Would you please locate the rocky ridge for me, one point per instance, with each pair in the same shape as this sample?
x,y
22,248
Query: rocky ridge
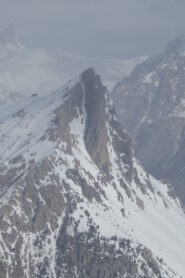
x,y
151,104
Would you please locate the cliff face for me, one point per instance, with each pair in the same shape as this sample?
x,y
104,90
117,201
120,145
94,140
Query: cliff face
x,y
151,104
74,202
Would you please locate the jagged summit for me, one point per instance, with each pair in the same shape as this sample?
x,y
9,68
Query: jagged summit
x,y
176,46
89,73
95,136
93,82
74,202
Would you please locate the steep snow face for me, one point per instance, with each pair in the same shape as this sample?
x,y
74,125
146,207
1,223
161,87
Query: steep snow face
x,y
25,72
68,179
151,105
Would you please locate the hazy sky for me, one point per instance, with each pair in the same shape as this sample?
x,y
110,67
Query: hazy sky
x,y
97,28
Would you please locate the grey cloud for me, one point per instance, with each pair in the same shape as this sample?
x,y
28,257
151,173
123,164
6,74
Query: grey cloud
x,y
98,28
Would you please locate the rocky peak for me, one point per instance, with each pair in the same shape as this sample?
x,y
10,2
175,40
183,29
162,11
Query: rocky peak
x,y
176,47
88,101
96,137
73,199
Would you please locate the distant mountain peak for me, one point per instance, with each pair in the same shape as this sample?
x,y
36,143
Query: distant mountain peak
x,y
9,38
176,46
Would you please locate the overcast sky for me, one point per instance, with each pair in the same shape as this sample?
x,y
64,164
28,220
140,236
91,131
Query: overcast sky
x,y
97,28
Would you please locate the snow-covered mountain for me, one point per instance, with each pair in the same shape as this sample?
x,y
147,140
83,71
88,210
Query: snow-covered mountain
x,y
25,72
74,202
151,105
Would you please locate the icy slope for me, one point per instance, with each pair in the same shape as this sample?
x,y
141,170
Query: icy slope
x,y
73,198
